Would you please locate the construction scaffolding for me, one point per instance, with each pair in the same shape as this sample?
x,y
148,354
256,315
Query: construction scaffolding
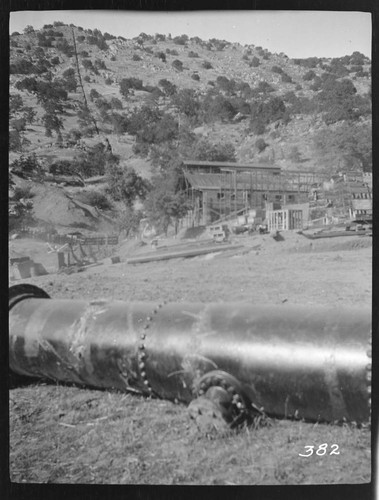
x,y
222,195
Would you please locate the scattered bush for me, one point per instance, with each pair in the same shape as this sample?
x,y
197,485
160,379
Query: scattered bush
x,y
177,64
207,65
130,83
195,77
261,145
100,64
65,47
286,78
264,87
172,52
136,57
28,29
276,69
168,88
191,53
94,94
116,103
309,75
96,199
180,40
161,55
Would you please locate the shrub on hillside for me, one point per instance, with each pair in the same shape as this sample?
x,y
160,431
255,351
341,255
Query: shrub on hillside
x,y
180,40
22,67
207,65
94,94
87,64
309,75
136,57
100,64
127,84
265,112
108,36
186,102
191,53
168,88
172,52
115,103
286,78
276,69
65,47
28,29
225,84
160,38
264,87
177,64
205,151
216,107
81,38
96,199
161,55
195,77
261,145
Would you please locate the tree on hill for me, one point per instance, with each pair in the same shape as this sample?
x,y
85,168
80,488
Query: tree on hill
x,y
337,100
351,141
126,84
165,205
186,102
125,185
205,151
28,29
95,160
167,87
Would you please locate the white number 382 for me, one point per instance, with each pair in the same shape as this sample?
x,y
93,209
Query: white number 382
x,y
321,450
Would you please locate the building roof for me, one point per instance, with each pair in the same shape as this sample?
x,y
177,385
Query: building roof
x,y
209,181
231,165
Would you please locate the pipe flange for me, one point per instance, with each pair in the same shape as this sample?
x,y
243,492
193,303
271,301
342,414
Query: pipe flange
x,y
25,291
141,354
369,373
230,393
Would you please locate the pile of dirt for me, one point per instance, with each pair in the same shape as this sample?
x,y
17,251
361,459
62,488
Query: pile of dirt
x,y
52,206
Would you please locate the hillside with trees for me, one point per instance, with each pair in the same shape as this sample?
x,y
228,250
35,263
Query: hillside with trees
x,y
85,103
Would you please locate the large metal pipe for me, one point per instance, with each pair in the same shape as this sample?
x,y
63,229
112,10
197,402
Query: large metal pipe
x,y
288,361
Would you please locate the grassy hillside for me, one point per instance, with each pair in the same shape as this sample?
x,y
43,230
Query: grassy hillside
x,y
153,101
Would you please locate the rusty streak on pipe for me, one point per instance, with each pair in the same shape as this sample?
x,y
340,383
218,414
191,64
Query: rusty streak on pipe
x,y
288,361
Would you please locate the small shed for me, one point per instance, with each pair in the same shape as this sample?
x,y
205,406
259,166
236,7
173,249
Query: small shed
x,y
284,220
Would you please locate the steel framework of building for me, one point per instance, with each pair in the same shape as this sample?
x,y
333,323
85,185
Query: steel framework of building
x,y
235,191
